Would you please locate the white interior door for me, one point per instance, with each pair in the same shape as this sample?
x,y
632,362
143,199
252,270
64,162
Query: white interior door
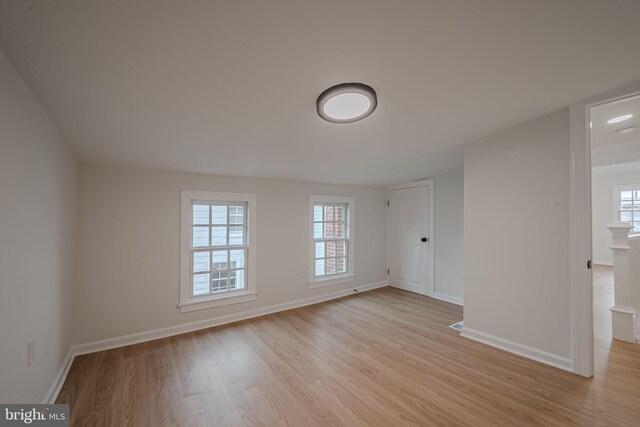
x,y
410,236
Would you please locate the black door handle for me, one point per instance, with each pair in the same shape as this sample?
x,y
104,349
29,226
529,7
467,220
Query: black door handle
x,y
424,239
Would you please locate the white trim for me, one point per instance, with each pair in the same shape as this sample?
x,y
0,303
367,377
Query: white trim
x,y
59,379
448,298
331,281
92,347
186,303
626,187
314,282
623,310
218,301
461,323
581,228
429,183
412,184
110,343
541,356
601,262
580,231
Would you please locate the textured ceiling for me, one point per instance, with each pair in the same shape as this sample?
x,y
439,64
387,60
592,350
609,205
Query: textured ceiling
x,y
229,87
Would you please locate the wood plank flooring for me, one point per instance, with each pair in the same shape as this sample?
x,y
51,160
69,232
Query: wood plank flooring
x,y
380,358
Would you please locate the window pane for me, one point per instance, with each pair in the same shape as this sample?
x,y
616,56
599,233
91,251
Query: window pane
x,y
200,236
236,214
331,249
625,195
201,261
320,250
237,258
200,284
328,213
219,236
219,259
330,225
625,216
319,267
236,235
328,230
219,214
236,280
331,266
200,214
626,205
219,281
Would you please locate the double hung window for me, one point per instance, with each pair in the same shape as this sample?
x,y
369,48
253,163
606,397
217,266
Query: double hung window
x,y
217,254
332,240
628,206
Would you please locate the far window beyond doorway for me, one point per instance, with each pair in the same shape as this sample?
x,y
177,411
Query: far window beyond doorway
x,y
628,206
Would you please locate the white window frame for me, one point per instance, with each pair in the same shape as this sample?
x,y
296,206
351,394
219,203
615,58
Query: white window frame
x,y
334,279
191,303
616,201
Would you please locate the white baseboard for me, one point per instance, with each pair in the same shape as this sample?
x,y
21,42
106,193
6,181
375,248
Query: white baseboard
x,y
155,334
541,356
600,262
448,298
60,377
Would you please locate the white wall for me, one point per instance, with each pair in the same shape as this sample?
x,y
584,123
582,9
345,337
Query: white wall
x,y
516,289
38,187
449,250
603,179
128,246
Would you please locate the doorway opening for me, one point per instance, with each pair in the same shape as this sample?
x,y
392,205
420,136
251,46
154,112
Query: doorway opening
x,y
614,129
599,139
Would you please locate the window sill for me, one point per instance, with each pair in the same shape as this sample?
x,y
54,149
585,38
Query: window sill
x,y
330,281
217,301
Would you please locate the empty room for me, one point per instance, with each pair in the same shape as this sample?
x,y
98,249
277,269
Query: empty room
x,y
344,213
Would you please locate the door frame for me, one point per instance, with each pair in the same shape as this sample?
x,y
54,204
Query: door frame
x,y
430,184
581,227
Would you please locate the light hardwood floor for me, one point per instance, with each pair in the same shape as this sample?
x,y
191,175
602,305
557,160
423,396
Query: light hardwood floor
x,y
381,358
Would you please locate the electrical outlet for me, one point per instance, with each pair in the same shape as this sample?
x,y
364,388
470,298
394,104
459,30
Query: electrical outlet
x,y
31,351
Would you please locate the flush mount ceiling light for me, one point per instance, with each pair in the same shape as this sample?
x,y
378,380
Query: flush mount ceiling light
x,y
620,119
347,102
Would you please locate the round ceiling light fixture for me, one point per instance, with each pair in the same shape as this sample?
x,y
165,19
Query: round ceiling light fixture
x,y
620,119
347,102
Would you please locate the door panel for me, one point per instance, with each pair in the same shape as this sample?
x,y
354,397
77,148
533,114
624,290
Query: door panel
x,y
410,267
